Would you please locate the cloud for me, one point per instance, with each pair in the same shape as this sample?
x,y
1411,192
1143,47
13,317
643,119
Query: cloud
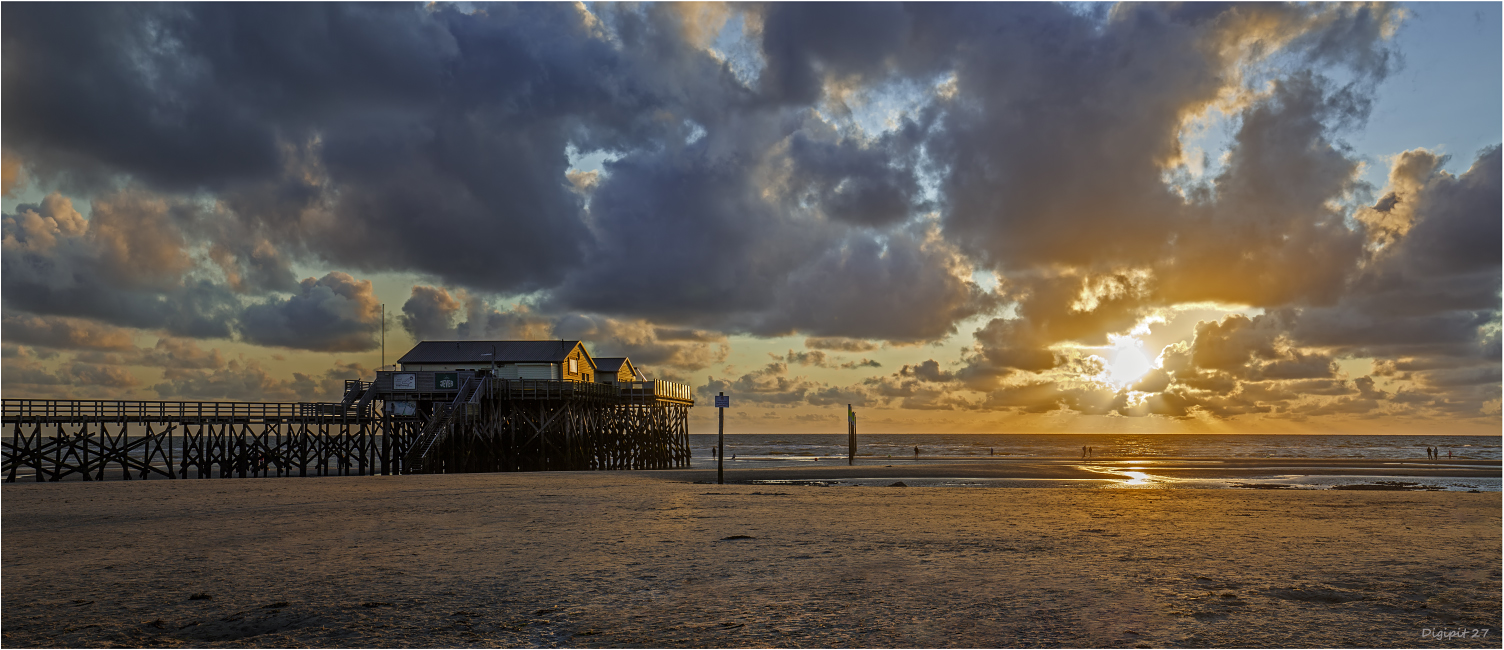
x,y
1006,346
65,333
819,359
432,314
839,344
853,182
26,370
11,177
246,380
128,266
169,353
429,313
767,385
335,313
846,174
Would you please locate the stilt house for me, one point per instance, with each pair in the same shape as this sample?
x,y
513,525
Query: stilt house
x,y
617,370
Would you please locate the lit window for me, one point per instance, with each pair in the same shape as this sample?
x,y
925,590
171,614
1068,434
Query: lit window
x,y
574,366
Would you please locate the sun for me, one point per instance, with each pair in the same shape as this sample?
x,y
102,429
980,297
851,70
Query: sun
x,y
1128,361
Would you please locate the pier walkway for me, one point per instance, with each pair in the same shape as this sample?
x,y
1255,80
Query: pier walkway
x,y
484,425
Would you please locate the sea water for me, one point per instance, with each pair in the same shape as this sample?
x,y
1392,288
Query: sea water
x,y
773,450
1388,452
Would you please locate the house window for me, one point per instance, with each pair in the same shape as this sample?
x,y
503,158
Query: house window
x,y
574,366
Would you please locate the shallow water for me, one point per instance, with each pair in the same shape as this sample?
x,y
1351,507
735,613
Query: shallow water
x,y
808,449
1145,480
744,451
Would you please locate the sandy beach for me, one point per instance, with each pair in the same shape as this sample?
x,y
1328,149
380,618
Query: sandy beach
x,y
655,559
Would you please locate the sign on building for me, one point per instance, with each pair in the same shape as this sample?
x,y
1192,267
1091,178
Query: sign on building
x,y
404,381
446,380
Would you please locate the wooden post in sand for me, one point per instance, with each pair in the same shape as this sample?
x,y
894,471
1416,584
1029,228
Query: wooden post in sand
x,y
721,402
850,436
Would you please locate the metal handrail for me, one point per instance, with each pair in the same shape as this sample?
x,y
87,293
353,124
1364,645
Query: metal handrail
x,y
26,409
443,416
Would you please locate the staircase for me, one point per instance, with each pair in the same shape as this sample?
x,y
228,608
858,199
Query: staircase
x,y
354,390
434,431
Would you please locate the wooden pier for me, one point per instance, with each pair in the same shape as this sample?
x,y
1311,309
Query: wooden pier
x,y
510,425
485,425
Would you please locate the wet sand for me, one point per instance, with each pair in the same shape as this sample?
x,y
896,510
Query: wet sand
x,y
652,559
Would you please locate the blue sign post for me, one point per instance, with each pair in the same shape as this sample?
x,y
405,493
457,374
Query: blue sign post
x,y
721,403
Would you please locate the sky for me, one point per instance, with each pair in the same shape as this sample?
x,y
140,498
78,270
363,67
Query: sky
x,y
1152,218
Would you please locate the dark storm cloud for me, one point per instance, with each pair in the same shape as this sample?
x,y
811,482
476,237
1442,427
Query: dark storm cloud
x,y
1429,297
804,42
854,183
697,235
414,114
90,91
396,137
335,313
905,286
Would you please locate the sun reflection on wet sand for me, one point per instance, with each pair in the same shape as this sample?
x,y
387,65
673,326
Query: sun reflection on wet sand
x,y
1139,478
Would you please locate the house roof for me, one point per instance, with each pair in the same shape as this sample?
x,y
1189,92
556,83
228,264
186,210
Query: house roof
x,y
612,364
480,352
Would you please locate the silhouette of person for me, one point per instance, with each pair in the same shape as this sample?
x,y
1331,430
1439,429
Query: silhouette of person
x,y
916,453
1090,451
1083,451
1449,454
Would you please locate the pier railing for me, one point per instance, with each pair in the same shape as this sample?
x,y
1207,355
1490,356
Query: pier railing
x,y
60,410
671,391
549,389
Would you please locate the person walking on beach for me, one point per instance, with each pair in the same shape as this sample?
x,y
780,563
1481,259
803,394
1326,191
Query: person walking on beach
x,y
1449,454
916,453
1083,451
